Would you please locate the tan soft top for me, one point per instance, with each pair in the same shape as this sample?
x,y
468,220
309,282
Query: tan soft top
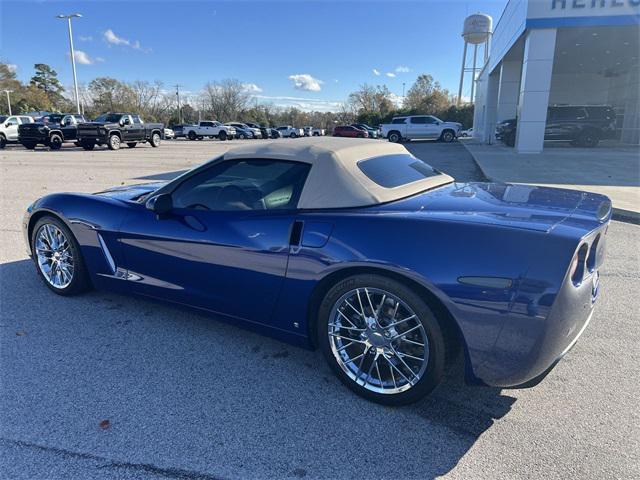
x,y
335,180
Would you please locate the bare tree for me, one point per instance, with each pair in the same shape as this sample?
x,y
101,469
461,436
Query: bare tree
x,y
226,100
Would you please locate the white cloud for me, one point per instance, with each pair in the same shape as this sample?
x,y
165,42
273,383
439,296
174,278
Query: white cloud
x,y
376,72
82,58
87,38
390,74
112,38
396,99
304,81
306,104
402,69
12,67
100,59
251,88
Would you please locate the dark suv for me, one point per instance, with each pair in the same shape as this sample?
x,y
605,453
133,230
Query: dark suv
x,y
114,129
583,126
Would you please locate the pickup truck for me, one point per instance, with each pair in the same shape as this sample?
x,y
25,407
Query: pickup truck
x,y
418,127
289,131
51,130
114,129
9,128
209,129
309,131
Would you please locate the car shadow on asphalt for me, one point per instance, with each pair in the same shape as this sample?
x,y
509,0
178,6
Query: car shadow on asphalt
x,y
181,391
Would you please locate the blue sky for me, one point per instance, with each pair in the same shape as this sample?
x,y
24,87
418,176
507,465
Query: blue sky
x,y
305,53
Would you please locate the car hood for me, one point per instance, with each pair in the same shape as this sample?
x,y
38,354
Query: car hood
x,y
130,192
518,206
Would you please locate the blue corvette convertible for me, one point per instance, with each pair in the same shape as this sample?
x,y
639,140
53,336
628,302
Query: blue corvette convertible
x,y
358,248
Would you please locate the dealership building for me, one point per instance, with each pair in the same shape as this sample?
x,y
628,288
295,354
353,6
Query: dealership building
x,y
560,52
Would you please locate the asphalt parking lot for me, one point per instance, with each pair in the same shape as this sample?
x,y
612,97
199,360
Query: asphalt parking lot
x,y
111,387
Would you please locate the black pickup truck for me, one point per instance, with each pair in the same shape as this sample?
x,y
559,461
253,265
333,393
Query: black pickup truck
x,y
51,130
114,129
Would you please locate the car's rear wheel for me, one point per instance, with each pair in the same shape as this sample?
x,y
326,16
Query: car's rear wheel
x,y
191,135
132,144
88,145
3,141
114,142
293,135
447,136
155,140
58,258
395,137
55,141
381,339
222,135
588,138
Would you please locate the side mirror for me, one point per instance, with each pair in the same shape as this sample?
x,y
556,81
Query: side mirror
x,y
161,204
125,121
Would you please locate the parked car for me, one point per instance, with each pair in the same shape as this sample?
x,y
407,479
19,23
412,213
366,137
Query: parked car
x,y
349,131
373,133
209,128
582,125
418,127
51,130
245,131
313,132
328,244
259,129
289,131
169,134
467,133
178,130
114,129
274,132
9,128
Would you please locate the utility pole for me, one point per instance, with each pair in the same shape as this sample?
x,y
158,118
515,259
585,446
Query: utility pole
x,y
73,56
177,85
403,93
9,100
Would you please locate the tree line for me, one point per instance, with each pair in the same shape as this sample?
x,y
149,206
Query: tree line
x,y
224,100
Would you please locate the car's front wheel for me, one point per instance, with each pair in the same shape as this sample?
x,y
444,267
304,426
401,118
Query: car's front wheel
x,y
395,137
447,136
55,142
381,339
589,139
58,258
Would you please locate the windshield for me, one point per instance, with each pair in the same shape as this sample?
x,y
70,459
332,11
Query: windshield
x,y
108,117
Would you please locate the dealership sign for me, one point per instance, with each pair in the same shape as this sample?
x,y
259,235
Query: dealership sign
x,y
582,8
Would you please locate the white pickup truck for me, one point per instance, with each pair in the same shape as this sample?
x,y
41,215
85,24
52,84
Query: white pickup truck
x,y
291,132
418,127
309,131
9,128
209,129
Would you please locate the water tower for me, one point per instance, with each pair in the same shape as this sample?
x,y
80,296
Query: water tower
x,y
477,30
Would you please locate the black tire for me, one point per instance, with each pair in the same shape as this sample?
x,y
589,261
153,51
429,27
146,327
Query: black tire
x,y
293,135
192,135
510,139
29,145
55,141
447,136
242,136
114,142
3,141
434,369
394,137
132,144
588,139
222,135
80,280
88,145
155,139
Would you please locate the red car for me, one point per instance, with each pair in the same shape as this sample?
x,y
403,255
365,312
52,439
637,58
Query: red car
x,y
349,131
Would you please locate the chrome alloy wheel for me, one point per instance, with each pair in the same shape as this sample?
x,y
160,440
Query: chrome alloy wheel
x,y
378,340
54,255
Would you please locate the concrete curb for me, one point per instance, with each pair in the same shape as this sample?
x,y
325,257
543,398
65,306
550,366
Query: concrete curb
x,y
618,214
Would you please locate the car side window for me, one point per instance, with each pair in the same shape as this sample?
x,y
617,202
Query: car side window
x,y
420,120
398,120
261,184
25,119
430,120
136,119
11,121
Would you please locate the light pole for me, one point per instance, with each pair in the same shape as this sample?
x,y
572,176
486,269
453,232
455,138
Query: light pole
x,y
73,57
177,85
9,100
